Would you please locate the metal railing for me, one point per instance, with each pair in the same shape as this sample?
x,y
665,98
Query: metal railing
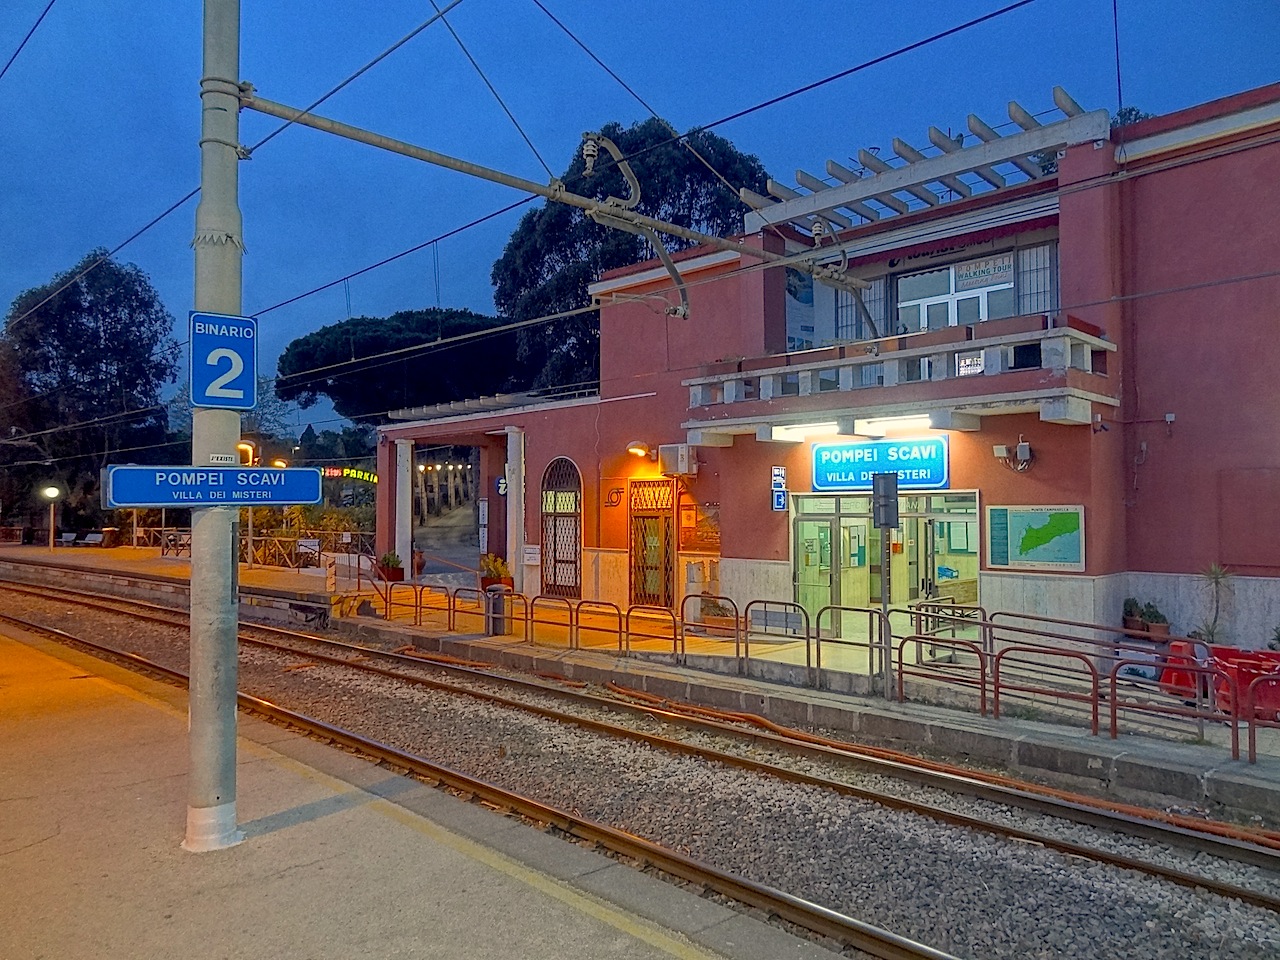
x,y
936,651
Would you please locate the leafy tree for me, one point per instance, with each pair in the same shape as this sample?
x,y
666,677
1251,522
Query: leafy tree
x,y
556,250
330,446
93,358
270,418
348,362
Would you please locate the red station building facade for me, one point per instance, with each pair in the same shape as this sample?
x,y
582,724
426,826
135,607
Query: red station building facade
x,y
1062,340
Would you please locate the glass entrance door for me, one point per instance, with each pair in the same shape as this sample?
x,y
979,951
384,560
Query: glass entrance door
x,y
813,573
837,557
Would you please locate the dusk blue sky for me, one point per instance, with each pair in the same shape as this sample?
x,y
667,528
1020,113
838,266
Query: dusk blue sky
x,y
100,117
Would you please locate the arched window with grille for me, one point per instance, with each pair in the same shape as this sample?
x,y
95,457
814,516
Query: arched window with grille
x,y
562,530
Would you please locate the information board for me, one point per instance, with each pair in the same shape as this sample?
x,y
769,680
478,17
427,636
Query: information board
x,y
1036,538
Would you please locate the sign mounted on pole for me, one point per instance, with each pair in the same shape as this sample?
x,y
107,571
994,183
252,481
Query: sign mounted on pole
x,y
166,486
224,361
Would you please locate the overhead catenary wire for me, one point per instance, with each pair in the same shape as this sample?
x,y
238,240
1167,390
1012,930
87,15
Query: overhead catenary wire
x,y
492,89
39,20
741,113
248,150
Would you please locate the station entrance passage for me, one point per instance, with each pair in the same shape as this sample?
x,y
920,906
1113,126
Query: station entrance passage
x,y
837,562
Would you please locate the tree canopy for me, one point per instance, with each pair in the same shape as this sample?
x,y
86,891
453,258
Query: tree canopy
x,y
368,366
556,250
91,363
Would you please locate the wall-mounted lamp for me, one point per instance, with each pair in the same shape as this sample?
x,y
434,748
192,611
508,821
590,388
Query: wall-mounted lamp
x,y
638,448
1021,460
277,462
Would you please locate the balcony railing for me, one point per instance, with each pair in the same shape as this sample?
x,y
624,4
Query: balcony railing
x,y
955,353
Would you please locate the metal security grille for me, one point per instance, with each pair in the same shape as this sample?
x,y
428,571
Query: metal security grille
x,y
562,530
652,553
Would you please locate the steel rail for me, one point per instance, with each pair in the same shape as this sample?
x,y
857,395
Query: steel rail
x,y
811,916
1220,847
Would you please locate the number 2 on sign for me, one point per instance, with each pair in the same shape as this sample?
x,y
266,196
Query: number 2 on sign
x,y
219,386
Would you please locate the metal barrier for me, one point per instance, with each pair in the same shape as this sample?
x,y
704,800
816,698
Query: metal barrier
x,y
1198,709
1058,693
568,623
712,626
427,594
952,676
648,612
771,612
874,644
588,608
395,587
1254,716
458,609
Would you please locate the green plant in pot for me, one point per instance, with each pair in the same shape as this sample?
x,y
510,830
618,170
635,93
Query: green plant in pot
x,y
494,570
389,566
1133,614
1156,622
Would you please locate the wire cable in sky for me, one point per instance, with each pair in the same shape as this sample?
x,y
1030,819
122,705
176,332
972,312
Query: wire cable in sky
x,y
39,20
493,90
101,260
439,15
396,256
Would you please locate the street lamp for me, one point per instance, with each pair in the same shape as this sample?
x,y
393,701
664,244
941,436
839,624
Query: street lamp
x,y
52,493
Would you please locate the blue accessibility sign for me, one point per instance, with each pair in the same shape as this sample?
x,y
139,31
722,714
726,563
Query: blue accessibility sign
x,y
922,463
163,486
224,361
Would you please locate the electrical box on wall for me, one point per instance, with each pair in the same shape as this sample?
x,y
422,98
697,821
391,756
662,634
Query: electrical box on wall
x,y
677,460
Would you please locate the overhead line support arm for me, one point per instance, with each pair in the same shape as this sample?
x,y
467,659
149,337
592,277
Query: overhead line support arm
x,y
556,191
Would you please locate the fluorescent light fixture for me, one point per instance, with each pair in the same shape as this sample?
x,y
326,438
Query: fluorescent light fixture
x,y
797,432
882,426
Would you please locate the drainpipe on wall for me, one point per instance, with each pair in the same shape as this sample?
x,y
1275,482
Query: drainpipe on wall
x,y
515,505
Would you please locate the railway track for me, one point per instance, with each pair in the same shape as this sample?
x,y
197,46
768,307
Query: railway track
x,y
1260,852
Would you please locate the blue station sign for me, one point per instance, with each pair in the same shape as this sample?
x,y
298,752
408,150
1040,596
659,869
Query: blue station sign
x,y
921,463
209,486
224,361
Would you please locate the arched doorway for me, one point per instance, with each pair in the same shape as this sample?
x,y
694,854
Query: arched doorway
x,y
562,530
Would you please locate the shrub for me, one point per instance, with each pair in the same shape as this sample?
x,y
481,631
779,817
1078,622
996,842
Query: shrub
x,y
1151,613
389,560
494,567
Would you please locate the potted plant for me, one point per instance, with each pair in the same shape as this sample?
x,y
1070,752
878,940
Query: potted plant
x,y
494,570
1155,621
389,567
1133,614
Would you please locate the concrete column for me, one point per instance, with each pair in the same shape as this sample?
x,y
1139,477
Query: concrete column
x,y
515,505
404,503
219,249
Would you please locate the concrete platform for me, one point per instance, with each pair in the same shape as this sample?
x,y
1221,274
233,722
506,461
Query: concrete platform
x,y
341,859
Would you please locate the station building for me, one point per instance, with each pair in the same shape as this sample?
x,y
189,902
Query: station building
x,y
1063,340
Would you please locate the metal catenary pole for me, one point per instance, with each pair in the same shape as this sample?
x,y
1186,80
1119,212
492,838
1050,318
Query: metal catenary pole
x,y
211,798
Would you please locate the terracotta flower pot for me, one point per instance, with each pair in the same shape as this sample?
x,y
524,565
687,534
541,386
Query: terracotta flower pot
x,y
393,574
487,582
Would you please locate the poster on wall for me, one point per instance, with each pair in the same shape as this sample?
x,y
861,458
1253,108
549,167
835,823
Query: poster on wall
x,y
1036,538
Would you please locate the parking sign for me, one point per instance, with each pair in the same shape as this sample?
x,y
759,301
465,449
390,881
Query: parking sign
x,y
224,361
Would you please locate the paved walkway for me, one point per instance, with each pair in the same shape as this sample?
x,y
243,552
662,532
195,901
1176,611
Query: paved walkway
x,y
341,859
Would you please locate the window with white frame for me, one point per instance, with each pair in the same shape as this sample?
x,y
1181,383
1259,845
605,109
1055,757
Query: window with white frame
x,y
1013,283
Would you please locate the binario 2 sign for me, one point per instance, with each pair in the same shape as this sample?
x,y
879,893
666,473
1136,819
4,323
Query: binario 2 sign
x,y
921,463
224,361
